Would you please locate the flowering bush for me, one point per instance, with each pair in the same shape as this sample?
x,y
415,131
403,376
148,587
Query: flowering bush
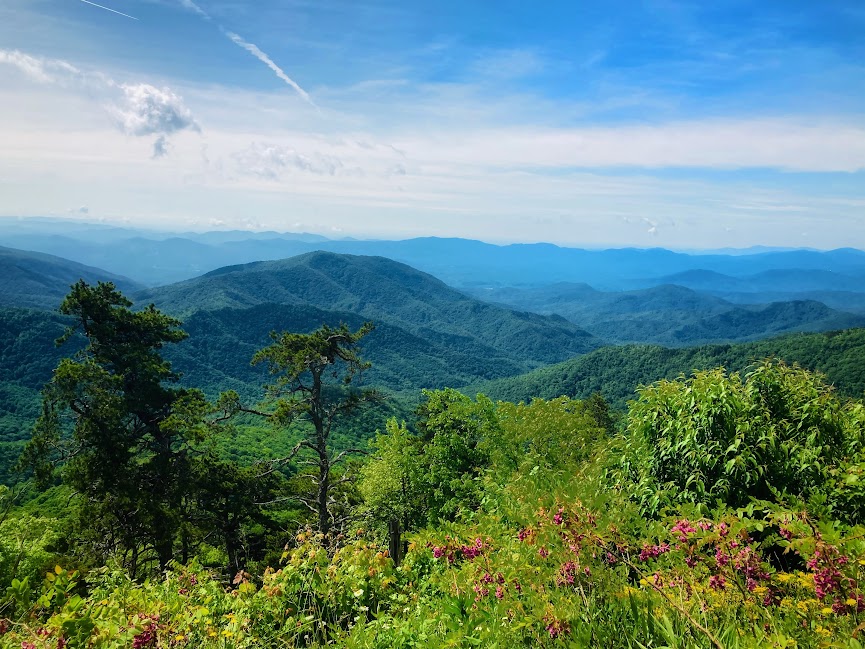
x,y
548,558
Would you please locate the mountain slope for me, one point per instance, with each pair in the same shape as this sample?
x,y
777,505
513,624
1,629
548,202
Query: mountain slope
x,y
221,343
28,356
669,315
615,372
384,291
40,281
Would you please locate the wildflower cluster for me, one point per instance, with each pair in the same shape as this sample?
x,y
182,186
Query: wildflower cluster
x,y
830,583
146,637
453,550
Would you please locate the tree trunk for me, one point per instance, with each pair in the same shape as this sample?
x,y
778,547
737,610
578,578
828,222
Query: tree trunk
x,y
394,541
323,493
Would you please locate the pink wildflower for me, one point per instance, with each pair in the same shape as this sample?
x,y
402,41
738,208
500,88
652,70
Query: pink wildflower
x,y
717,582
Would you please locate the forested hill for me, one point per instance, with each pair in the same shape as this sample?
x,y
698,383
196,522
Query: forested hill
x,y
40,281
217,354
616,372
384,291
671,315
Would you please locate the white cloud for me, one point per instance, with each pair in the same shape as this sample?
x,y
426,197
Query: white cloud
x,y
43,70
708,144
147,110
161,147
653,226
191,6
271,160
252,48
137,109
425,161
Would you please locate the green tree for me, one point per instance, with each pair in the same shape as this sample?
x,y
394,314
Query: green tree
x,y
316,383
419,479
557,435
452,428
121,431
391,483
718,438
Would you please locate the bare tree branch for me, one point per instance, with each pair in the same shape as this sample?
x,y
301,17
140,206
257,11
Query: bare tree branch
x,y
347,452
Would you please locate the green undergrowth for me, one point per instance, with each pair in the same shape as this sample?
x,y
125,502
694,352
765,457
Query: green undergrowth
x,y
724,513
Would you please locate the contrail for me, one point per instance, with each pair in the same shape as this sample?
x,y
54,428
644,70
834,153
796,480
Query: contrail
x,y
264,58
252,48
189,4
109,9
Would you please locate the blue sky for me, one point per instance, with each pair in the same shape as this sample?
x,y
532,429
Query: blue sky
x,y
678,124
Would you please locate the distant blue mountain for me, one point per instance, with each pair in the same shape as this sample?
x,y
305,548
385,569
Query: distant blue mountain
x,y
161,258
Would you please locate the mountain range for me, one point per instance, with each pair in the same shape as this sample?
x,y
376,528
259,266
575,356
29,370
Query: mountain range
x,y
616,371
154,258
528,339
671,315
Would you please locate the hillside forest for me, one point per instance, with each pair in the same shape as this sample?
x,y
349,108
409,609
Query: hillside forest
x,y
342,450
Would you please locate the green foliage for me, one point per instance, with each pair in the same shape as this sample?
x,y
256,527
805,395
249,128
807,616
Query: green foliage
x,y
131,446
542,568
552,436
452,428
716,438
391,483
753,486
441,472
616,372
26,544
545,555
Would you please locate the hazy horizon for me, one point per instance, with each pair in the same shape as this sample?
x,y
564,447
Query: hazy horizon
x,y
156,230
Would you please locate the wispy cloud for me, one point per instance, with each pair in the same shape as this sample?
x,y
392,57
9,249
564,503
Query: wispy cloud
x,y
41,69
269,161
191,6
782,144
137,109
161,147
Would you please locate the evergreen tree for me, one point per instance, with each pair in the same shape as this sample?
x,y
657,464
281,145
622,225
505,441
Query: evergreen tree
x,y
121,431
315,382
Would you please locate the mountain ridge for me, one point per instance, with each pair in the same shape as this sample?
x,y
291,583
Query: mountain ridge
x,y
671,315
459,262
41,281
380,289
615,371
